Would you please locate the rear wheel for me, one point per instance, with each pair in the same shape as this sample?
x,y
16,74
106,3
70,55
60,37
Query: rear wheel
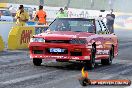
x,y
108,61
37,61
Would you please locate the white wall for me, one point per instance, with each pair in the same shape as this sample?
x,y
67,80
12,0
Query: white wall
x,y
5,28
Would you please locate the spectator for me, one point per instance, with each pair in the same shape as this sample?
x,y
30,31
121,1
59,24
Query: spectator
x,y
22,16
61,14
41,15
66,10
110,21
34,12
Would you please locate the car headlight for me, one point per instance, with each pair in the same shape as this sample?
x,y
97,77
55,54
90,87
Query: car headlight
x,y
37,40
78,41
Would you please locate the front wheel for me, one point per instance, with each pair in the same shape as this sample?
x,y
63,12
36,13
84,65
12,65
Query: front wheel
x,y
91,62
37,61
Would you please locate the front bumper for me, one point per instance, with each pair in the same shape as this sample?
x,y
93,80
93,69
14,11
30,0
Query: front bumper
x,y
83,54
61,57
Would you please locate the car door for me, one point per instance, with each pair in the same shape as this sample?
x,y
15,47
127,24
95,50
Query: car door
x,y
100,39
108,39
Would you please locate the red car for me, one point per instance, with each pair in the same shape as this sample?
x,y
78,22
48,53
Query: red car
x,y
76,39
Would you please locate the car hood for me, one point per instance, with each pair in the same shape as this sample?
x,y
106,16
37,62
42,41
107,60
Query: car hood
x,y
64,35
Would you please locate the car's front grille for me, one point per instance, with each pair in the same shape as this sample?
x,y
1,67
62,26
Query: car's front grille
x,y
48,51
76,53
57,41
38,51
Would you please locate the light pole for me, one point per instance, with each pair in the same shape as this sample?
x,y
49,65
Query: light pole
x,y
68,3
111,2
92,3
41,2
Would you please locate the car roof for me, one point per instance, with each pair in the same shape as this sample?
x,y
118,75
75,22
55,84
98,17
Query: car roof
x,y
78,18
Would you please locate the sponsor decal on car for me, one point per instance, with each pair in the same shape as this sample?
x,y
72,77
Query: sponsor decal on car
x,y
102,52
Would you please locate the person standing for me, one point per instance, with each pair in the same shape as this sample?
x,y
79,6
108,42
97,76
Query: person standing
x,y
110,21
34,12
21,16
66,10
61,14
41,16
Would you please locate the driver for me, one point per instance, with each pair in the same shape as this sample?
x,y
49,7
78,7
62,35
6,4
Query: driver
x,y
63,26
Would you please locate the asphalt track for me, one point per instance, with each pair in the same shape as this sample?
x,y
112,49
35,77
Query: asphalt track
x,y
17,70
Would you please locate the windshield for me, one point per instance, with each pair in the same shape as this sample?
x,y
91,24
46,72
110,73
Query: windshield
x,y
73,24
5,13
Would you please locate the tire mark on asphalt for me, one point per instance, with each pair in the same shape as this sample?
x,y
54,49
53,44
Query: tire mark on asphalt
x,y
18,74
40,79
117,73
54,81
16,63
17,80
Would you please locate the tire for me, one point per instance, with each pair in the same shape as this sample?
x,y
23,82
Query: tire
x,y
91,62
108,61
37,61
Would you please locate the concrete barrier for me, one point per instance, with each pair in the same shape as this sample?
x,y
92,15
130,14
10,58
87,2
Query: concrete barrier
x,y
19,37
5,28
1,44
